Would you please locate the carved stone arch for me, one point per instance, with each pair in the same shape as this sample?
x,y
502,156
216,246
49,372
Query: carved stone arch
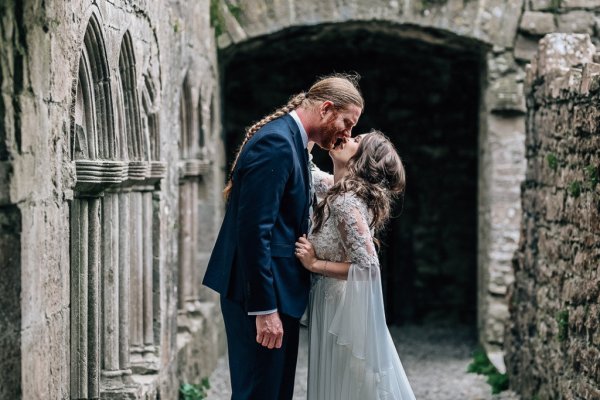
x,y
94,53
150,121
137,148
186,119
84,141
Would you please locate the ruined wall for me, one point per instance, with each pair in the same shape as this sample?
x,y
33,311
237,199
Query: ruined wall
x,y
91,145
553,340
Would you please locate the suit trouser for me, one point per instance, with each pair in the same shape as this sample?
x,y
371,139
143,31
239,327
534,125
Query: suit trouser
x,y
258,373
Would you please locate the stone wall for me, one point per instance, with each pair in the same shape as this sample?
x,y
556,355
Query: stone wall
x,y
553,339
109,110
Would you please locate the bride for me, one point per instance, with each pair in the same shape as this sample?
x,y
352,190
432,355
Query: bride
x,y
351,352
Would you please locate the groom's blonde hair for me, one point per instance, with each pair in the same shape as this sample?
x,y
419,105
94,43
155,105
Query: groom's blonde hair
x,y
341,89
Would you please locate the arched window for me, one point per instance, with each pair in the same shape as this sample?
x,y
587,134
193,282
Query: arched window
x,y
92,140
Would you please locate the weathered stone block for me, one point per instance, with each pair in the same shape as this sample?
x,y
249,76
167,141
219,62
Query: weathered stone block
x,y
506,94
589,4
537,23
577,22
525,48
558,52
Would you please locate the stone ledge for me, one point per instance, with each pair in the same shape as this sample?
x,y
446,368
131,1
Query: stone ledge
x,y
193,168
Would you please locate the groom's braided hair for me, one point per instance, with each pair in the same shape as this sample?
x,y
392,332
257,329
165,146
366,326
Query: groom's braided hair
x,y
341,89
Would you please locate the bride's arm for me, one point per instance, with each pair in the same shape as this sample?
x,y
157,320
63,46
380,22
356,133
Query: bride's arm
x,y
306,254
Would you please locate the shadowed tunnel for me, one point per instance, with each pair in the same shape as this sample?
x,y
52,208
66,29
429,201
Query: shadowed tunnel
x,y
424,94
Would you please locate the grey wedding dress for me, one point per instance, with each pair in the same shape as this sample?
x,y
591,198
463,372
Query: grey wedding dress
x,y
351,352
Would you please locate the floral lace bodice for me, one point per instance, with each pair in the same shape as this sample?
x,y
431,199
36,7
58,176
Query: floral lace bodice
x,y
345,236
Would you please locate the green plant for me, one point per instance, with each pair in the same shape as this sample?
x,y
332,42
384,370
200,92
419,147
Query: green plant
x,y
481,365
591,174
189,391
552,161
575,188
217,20
562,317
555,5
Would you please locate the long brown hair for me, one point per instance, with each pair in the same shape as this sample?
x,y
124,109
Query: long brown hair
x,y
375,174
341,89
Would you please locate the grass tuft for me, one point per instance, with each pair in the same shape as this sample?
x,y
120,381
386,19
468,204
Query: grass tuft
x,y
481,365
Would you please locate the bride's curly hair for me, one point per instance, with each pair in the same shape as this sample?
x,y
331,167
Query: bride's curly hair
x,y
375,175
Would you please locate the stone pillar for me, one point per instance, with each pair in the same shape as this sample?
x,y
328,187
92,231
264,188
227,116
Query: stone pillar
x,y
148,292
111,372
501,171
94,299
124,285
85,333
193,249
185,245
136,277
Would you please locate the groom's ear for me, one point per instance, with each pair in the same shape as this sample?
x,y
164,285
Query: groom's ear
x,y
325,107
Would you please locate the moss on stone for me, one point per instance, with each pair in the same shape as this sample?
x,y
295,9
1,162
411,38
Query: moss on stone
x,y
217,20
591,174
575,189
562,317
552,161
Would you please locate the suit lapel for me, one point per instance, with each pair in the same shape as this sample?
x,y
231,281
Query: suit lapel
x,y
303,159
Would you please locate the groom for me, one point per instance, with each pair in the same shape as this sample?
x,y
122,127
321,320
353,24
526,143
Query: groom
x,y
263,287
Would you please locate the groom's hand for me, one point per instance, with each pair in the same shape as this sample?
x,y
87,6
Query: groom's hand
x,y
269,330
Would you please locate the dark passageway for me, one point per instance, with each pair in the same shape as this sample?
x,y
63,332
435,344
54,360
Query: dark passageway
x,y
425,97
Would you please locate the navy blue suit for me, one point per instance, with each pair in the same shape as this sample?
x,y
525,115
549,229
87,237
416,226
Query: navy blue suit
x,y
253,265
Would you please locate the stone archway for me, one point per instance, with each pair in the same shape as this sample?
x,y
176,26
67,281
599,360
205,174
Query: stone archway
x,y
425,98
483,31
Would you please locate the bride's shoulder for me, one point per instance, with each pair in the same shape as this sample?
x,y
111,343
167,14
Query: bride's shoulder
x,y
344,202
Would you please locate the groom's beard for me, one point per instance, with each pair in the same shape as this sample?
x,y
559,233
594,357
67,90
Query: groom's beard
x,y
329,133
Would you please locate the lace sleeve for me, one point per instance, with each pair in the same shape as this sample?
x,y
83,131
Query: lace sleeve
x,y
351,219
360,316
322,180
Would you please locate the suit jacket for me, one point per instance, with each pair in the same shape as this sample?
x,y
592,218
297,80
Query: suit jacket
x,y
253,260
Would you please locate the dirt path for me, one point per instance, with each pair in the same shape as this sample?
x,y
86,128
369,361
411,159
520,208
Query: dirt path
x,y
435,359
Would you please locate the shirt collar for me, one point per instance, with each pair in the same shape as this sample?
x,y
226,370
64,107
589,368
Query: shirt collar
x,y
303,133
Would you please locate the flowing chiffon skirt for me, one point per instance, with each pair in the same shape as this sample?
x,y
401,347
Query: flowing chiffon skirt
x,y
334,370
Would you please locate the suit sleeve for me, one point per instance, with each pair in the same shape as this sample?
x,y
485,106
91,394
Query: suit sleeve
x,y
263,173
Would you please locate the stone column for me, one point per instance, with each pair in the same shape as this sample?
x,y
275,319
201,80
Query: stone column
x,y
136,265
184,245
124,285
94,299
194,278
111,372
148,292
79,298
85,298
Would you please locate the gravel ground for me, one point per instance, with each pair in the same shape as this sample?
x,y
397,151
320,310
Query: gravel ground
x,y
435,358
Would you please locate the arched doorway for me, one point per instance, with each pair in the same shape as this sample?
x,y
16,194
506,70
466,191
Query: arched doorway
x,y
422,88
